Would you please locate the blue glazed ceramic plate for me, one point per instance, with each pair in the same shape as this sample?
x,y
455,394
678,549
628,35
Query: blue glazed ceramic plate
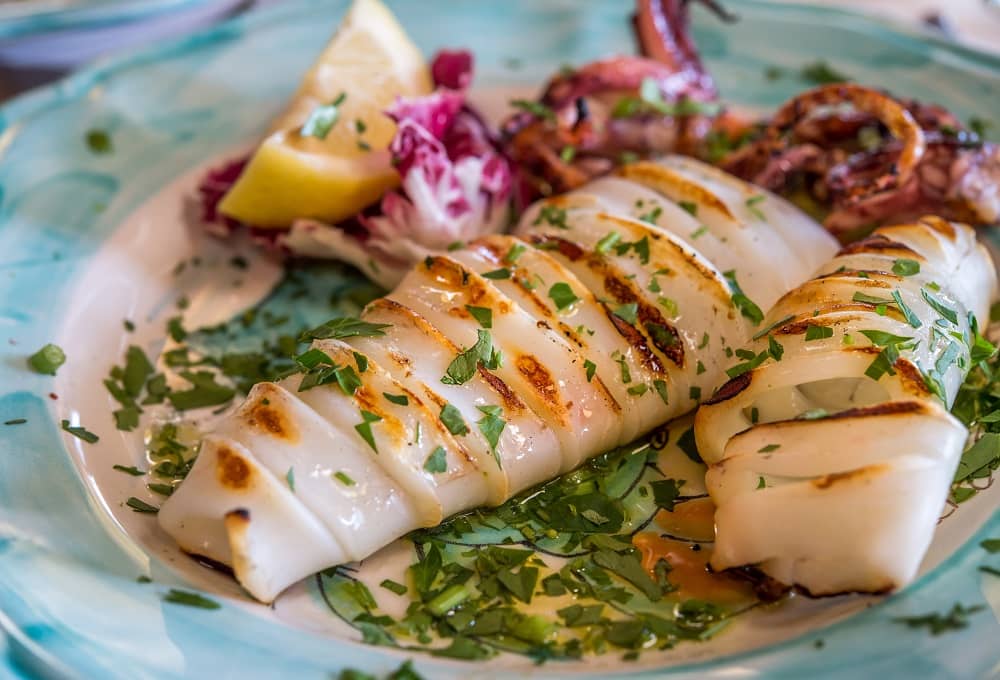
x,y
90,239
19,18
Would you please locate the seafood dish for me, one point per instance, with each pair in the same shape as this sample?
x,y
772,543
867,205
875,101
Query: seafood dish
x,y
603,369
512,360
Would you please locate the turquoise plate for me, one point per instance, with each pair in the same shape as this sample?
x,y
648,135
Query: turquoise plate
x,y
31,17
90,238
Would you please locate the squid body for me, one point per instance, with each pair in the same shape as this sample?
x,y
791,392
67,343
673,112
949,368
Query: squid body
x,y
495,367
831,450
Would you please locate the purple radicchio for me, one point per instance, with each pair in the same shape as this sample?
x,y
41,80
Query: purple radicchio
x,y
456,185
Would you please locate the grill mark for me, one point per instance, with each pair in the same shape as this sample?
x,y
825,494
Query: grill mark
x,y
574,252
503,391
941,226
827,481
662,239
568,249
623,291
418,322
802,325
544,385
390,425
729,390
673,186
231,469
538,376
269,417
424,413
911,378
512,403
878,243
857,274
490,251
889,408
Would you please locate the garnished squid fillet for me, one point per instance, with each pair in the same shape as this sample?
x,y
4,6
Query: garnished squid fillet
x,y
488,370
831,450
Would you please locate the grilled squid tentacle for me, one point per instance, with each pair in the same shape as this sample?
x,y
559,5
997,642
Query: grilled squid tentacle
x,y
830,461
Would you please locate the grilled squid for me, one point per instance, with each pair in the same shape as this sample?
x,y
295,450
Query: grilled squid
x,y
831,450
493,368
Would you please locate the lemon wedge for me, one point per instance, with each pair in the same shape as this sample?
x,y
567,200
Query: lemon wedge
x,y
326,156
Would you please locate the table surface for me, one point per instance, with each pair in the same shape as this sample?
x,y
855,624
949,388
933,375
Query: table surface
x,y
975,23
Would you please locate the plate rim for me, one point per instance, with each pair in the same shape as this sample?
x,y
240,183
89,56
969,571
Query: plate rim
x,y
59,17
21,111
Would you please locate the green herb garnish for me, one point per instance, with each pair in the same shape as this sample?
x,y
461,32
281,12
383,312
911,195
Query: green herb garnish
x,y
452,419
80,432
189,599
364,428
436,462
562,295
47,360
323,118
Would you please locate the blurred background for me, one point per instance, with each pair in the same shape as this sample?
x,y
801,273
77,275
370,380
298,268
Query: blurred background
x,y
42,40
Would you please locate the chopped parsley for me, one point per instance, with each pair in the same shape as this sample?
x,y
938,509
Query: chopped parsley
x,y
482,315
361,361
780,322
552,215
666,492
908,313
80,432
536,109
129,470
98,141
905,267
452,419
607,242
393,586
189,599
627,312
492,425
364,428
344,327
818,333
652,216
436,462
661,389
939,306
497,274
398,399
47,360
323,118
562,295
141,506
591,368
747,307
514,253
936,623
463,367
821,73
343,478
752,203
319,369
